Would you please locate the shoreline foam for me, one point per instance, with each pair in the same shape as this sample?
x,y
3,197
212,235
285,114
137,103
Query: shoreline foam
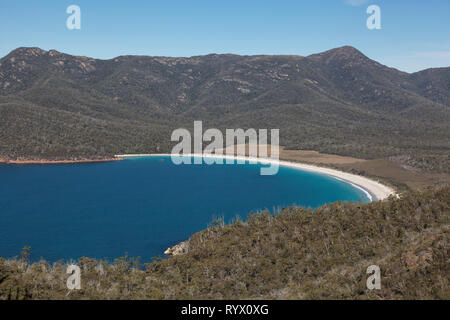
x,y
374,190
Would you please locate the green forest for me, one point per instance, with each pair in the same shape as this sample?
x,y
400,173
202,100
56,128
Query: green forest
x,y
297,253
55,106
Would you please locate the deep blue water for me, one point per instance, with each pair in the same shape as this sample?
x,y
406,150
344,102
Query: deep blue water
x,y
140,206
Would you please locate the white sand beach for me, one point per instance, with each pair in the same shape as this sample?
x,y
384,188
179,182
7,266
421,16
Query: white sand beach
x,y
373,189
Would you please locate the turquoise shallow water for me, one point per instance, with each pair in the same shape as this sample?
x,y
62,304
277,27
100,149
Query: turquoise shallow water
x,y
140,206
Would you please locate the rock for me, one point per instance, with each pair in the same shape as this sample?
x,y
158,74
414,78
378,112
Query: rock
x,y
179,249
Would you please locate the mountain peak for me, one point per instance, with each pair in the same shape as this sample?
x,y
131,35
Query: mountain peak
x,y
28,51
347,50
340,53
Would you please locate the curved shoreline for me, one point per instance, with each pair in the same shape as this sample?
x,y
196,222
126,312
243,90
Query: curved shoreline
x,y
374,190
41,161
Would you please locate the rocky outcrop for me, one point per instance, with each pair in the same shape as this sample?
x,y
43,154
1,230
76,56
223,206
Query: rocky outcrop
x,y
179,249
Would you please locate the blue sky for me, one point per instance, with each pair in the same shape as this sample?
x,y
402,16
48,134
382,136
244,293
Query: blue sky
x,y
415,34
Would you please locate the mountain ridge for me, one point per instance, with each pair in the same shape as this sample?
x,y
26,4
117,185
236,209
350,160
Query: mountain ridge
x,y
343,49
338,101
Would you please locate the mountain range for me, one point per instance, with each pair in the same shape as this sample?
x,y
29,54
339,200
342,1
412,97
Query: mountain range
x,y
58,106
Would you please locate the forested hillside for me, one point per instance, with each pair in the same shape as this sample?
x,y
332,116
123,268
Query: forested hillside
x,y
58,106
296,254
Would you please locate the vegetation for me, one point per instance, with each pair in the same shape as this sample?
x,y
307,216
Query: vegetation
x,y
57,106
296,254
